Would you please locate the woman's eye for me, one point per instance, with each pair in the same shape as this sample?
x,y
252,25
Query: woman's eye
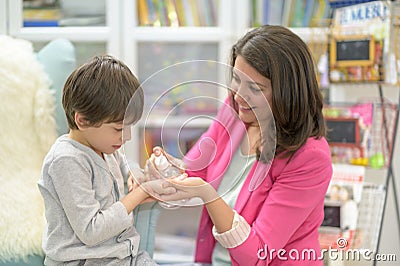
x,y
118,129
255,89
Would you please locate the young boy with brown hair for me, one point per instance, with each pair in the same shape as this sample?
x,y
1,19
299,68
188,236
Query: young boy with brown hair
x,y
89,219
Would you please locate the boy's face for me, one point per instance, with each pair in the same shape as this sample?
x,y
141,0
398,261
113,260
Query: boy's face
x,y
104,139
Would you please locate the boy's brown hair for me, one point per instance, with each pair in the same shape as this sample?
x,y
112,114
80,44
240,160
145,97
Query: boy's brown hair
x,y
101,90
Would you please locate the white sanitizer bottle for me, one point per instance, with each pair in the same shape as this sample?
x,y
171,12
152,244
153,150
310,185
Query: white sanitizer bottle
x,y
164,167
167,169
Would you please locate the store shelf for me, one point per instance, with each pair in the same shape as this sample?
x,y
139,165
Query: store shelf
x,y
317,35
3,16
177,121
178,34
82,34
107,34
382,90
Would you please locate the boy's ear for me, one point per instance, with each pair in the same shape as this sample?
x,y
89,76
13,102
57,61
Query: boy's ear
x,y
81,121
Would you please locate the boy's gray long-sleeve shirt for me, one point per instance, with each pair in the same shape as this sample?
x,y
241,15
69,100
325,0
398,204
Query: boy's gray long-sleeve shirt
x,y
85,218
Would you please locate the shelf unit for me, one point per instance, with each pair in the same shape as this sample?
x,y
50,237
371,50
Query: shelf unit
x,y
3,16
137,40
385,98
390,177
379,182
170,45
382,139
134,34
88,40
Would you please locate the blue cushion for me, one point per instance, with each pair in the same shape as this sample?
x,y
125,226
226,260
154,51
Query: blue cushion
x,y
59,60
34,260
146,216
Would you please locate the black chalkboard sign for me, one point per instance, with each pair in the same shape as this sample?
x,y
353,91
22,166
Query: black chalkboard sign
x,y
344,131
352,51
331,215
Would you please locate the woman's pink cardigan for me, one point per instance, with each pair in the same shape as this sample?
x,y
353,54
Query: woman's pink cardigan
x,y
283,206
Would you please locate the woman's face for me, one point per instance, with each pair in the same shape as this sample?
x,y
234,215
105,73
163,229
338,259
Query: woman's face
x,y
253,92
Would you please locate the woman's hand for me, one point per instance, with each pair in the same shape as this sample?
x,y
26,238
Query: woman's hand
x,y
189,187
154,188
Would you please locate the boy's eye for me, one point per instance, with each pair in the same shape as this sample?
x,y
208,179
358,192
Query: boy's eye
x,y
118,129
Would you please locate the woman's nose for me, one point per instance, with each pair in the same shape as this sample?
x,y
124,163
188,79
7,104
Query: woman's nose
x,y
243,93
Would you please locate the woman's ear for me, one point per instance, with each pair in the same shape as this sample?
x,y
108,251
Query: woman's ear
x,y
80,121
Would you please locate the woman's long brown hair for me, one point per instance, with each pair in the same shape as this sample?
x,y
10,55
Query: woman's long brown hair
x,y
281,56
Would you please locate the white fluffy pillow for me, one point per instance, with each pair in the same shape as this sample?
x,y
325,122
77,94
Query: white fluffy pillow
x,y
27,130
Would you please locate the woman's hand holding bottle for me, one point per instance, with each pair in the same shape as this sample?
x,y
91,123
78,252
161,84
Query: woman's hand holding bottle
x,y
176,188
161,165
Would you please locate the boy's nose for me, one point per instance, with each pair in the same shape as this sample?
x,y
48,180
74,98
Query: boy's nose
x,y
126,134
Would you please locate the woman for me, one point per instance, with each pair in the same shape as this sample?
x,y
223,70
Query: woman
x,y
269,213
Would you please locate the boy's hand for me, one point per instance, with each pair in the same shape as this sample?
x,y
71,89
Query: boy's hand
x,y
135,177
130,182
158,187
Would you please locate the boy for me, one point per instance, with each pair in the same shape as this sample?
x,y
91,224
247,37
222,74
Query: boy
x,y
89,220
